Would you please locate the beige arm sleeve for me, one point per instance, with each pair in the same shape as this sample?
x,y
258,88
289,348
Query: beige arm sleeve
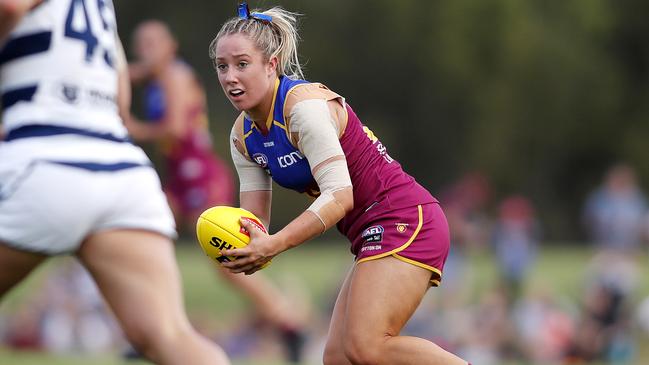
x,y
318,140
251,176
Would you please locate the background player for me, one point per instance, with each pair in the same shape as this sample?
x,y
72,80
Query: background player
x,y
195,178
71,182
308,139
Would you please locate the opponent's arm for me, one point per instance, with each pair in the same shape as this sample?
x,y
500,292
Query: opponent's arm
x,y
11,11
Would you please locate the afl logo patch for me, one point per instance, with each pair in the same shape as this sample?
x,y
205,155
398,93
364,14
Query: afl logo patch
x,y
373,234
401,227
260,159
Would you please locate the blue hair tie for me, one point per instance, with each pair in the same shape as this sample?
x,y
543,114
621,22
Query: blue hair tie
x,y
244,13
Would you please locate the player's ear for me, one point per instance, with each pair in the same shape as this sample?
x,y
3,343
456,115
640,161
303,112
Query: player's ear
x,y
272,66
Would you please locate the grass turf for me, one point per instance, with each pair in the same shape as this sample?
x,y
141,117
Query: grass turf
x,y
319,268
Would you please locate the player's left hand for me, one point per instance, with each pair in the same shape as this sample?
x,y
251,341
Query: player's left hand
x,y
255,255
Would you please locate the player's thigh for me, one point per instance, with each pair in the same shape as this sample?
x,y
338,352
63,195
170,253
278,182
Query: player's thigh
x,y
334,353
137,273
15,265
383,295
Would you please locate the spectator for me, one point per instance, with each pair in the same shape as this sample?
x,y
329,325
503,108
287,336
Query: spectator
x,y
515,239
615,213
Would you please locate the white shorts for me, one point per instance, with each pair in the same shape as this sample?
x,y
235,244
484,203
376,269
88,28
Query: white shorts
x,y
50,208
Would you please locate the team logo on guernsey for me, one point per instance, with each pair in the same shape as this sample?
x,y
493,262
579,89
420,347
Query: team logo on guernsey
x,y
70,93
401,227
260,159
373,234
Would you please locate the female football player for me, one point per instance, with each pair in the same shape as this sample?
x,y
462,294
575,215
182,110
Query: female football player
x,y
72,182
196,179
307,138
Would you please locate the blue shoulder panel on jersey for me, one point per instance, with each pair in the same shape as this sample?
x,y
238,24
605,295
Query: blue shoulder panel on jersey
x,y
25,46
274,152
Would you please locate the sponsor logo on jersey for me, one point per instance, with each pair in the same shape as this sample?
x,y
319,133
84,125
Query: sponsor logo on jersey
x,y
78,95
70,93
289,159
383,152
373,234
269,144
401,227
99,97
260,159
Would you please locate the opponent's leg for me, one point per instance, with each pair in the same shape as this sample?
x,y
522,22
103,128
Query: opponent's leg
x,y
15,266
383,294
137,273
334,353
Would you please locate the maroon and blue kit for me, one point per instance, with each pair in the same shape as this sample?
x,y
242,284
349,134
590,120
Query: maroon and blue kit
x,y
392,214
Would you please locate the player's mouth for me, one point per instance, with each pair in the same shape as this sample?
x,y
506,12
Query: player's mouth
x,y
236,93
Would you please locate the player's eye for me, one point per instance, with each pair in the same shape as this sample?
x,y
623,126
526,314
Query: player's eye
x,y
221,67
243,64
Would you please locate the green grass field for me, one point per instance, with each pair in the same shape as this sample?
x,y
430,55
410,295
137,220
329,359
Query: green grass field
x,y
316,269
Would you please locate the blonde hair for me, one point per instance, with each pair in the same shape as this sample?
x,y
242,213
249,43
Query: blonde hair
x,y
276,38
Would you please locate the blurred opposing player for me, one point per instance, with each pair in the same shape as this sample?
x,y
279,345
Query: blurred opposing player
x,y
71,181
176,112
307,138
196,179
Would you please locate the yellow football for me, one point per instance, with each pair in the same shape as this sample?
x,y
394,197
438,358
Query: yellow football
x,y
219,228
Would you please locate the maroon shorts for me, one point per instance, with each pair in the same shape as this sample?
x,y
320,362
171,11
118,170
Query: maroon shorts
x,y
418,235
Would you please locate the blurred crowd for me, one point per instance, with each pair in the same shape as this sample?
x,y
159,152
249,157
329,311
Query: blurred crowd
x,y
523,322
513,320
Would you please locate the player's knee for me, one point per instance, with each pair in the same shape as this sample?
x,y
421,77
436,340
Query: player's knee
x,y
152,339
334,355
363,351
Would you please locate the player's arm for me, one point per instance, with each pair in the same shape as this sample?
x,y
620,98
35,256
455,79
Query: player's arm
x,y
138,72
255,186
258,202
11,11
317,138
177,87
317,135
136,129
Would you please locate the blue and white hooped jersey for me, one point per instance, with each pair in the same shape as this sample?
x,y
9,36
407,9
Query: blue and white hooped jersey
x,y
57,69
274,152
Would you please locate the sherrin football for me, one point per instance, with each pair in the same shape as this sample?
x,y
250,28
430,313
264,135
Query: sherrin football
x,y
219,228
